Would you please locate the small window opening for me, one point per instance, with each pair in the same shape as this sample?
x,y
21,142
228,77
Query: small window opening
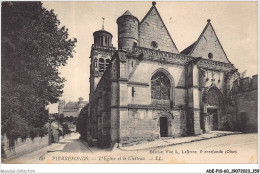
x,y
154,44
101,40
101,65
96,63
108,62
210,56
106,40
133,91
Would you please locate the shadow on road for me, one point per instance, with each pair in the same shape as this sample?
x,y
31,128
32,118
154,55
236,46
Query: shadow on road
x,y
75,145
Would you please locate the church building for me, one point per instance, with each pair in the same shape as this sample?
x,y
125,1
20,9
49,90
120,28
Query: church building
x,y
148,89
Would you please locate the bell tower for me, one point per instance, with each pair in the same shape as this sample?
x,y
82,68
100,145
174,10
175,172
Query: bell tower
x,y
100,57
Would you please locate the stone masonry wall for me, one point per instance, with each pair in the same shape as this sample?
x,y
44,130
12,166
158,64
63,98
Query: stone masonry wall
x,y
127,32
144,124
247,103
209,43
245,96
143,74
153,29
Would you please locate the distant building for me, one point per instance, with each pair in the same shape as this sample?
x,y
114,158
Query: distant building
x,y
71,108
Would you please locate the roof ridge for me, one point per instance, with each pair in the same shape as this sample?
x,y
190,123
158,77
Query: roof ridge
x,y
189,50
197,41
219,42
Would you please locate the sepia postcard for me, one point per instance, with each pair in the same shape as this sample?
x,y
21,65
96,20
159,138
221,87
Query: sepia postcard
x,y
91,82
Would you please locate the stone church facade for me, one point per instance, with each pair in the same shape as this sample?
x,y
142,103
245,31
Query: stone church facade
x,y
146,89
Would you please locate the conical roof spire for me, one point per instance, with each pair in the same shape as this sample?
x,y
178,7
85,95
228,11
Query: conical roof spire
x,y
127,13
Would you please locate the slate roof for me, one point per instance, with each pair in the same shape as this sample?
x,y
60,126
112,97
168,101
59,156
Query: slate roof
x,y
188,49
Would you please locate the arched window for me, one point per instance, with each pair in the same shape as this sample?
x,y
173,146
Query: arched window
x,y
96,63
106,40
160,86
101,65
108,61
210,56
101,41
214,97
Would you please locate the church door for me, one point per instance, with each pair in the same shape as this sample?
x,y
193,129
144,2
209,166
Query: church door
x,y
215,105
163,126
213,119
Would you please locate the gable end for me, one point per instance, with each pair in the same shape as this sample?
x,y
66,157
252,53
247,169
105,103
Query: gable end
x,y
153,30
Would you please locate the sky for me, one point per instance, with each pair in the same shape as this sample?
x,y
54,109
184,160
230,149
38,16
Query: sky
x,y
235,24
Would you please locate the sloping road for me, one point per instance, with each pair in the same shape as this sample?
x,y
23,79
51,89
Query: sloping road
x,y
69,144
76,146
241,148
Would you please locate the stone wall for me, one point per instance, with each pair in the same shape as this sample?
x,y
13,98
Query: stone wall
x,y
139,114
128,26
152,28
144,124
245,94
23,147
209,43
141,81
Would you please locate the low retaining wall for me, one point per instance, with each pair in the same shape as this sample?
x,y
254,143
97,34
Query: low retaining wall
x,y
24,147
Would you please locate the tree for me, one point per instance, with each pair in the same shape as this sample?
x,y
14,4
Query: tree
x,y
60,118
71,118
82,123
75,122
34,46
66,129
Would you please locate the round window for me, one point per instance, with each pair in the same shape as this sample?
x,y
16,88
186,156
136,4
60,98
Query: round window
x,y
210,56
154,44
